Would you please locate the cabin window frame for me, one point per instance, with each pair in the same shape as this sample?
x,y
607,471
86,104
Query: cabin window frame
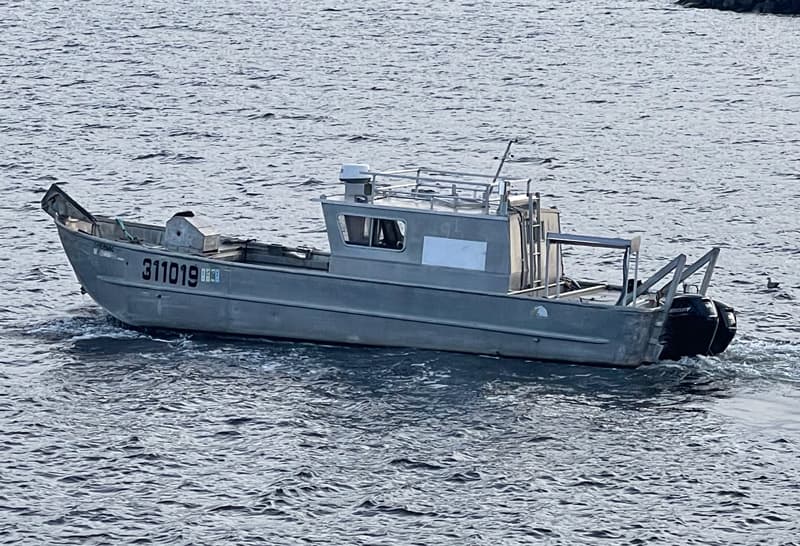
x,y
370,234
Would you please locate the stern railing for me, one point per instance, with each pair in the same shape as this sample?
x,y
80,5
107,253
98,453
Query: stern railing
x,y
708,259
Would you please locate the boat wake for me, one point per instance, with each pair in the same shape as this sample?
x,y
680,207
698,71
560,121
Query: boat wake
x,y
755,359
88,324
92,333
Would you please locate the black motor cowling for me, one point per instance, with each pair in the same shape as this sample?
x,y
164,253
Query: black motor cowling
x,y
726,329
697,325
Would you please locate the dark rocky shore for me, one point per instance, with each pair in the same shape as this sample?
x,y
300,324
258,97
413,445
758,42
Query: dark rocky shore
x,y
758,6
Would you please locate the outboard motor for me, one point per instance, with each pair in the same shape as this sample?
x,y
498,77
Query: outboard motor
x,y
690,327
726,328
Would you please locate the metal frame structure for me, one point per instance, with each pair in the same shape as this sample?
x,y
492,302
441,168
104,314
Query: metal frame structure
x,y
630,246
452,189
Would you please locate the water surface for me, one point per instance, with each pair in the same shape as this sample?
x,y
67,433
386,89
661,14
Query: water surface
x,y
637,118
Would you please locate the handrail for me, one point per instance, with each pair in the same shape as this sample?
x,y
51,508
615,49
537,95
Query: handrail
x,y
452,193
406,173
531,289
452,189
630,246
423,190
655,278
453,201
680,262
709,258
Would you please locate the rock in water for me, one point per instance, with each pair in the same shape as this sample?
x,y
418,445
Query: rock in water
x,y
788,7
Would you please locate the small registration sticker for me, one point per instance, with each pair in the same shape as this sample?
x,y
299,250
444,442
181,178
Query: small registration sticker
x,y
209,274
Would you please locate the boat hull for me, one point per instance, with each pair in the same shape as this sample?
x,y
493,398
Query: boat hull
x,y
150,287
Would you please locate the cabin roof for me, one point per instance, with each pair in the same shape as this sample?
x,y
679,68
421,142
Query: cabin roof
x,y
435,190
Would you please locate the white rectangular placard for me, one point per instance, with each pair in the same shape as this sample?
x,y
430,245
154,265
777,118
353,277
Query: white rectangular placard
x,y
458,253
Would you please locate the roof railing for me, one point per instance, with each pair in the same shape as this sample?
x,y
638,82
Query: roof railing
x,y
451,189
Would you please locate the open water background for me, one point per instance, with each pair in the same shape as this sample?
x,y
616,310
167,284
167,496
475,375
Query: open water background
x,y
634,116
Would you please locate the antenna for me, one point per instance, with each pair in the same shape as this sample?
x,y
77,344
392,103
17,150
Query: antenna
x,y
503,159
502,190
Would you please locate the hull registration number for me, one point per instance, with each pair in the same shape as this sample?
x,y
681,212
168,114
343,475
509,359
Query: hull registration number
x,y
169,272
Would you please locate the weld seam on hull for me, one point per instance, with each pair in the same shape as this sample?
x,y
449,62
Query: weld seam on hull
x,y
284,303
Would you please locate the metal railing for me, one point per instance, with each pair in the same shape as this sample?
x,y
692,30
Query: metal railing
x,y
709,259
677,265
452,189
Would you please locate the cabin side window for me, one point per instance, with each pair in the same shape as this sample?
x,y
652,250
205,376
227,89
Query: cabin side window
x,y
373,232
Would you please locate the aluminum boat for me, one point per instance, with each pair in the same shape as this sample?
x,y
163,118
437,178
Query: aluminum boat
x,y
420,258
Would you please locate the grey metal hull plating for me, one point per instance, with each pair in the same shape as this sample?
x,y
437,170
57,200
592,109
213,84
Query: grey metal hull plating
x,y
303,304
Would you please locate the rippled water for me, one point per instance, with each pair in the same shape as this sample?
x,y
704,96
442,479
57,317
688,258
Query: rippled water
x,y
636,117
